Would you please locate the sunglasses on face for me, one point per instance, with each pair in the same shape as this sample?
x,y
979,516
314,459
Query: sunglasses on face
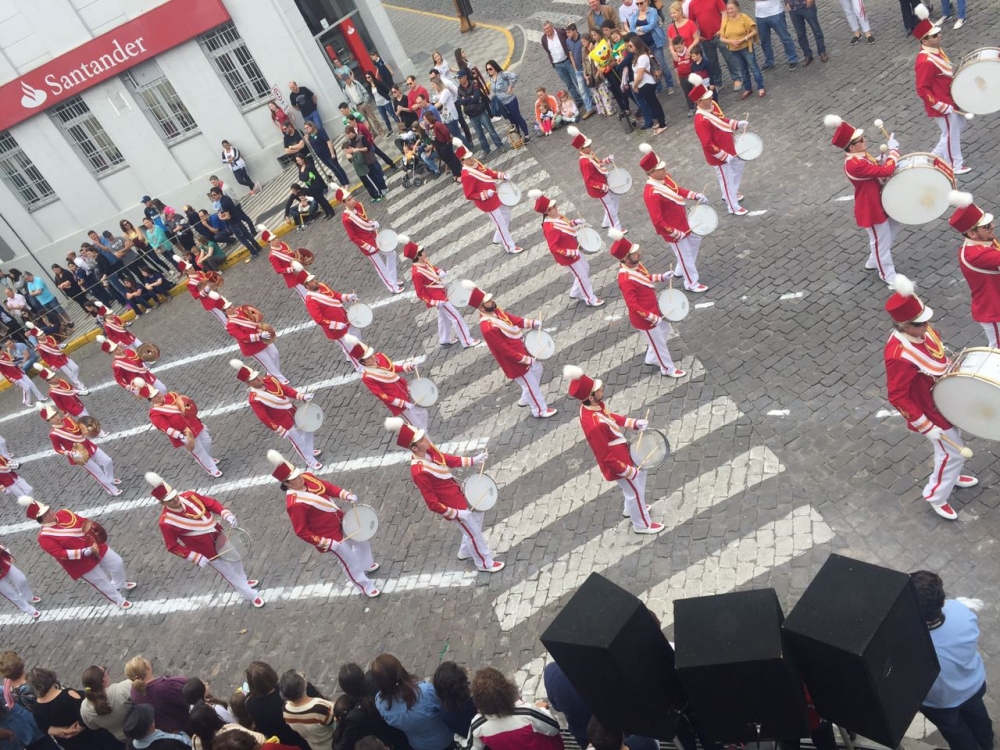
x,y
919,325
933,36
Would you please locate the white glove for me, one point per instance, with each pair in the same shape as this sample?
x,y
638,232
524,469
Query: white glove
x,y
490,193
335,326
934,434
376,224
327,544
892,143
578,222
351,497
450,514
730,157
741,123
307,397
536,324
480,458
231,520
463,515
654,319
701,197
265,336
281,431
351,297
641,424
202,561
442,273
609,158
87,551
505,177
407,405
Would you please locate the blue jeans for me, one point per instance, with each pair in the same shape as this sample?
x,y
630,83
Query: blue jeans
x,y
388,113
484,125
513,110
315,119
800,18
323,154
568,76
581,85
456,131
780,27
965,727
667,82
946,8
748,64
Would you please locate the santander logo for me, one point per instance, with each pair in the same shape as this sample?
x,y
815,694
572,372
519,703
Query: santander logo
x,y
32,97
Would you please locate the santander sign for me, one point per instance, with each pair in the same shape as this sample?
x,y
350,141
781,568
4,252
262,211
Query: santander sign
x,y
164,27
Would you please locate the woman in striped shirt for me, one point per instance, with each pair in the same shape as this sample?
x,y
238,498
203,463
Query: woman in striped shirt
x,y
504,721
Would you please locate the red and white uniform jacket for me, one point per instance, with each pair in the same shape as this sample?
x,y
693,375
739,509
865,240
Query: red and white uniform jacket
x,y
595,175
910,372
360,229
193,280
433,478
315,516
384,381
115,331
7,475
428,283
715,131
665,204
980,264
603,430
65,541
51,354
867,175
9,369
67,435
274,403
640,297
65,397
477,180
281,261
934,75
247,334
502,333
128,368
171,420
326,307
5,562
191,531
560,234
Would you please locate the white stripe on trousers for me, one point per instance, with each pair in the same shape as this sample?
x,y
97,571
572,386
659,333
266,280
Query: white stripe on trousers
x,y
501,220
27,388
355,558
949,146
449,322
474,544
3,449
610,202
948,463
72,370
686,255
657,352
634,491
856,15
202,451
416,416
730,174
158,385
235,576
20,488
220,315
303,442
108,577
992,333
385,267
531,389
880,239
101,468
580,269
15,589
270,360
301,291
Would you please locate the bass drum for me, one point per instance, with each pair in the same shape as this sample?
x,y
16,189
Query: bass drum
x,y
650,450
589,239
703,219
480,491
918,190
968,395
619,181
360,522
975,86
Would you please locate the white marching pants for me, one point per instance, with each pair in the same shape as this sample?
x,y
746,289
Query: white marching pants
x,y
220,315
949,146
101,468
686,255
582,288
857,16
20,488
634,490
72,370
303,442
730,174
270,360
3,449
880,239
948,463
657,352
610,202
355,560
992,333
301,291
416,416
158,385
385,267
474,544
28,389
202,452
108,577
500,216
531,389
358,367
451,325
235,576
15,589
135,344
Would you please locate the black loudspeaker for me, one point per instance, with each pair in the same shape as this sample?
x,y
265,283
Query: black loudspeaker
x,y
615,655
735,669
863,648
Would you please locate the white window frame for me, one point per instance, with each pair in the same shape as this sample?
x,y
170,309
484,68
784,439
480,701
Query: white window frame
x,y
163,107
23,178
234,64
88,137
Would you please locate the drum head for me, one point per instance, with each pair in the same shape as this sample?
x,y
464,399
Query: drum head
x,y
387,241
458,295
510,194
424,392
589,239
651,451
673,304
539,344
91,427
233,545
703,219
918,191
748,145
309,417
619,181
976,85
360,522
969,395
149,352
360,315
481,491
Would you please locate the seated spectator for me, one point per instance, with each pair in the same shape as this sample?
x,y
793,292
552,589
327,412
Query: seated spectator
x,y
551,106
24,356
357,716
196,691
155,283
240,739
206,725
105,703
140,729
504,720
307,211
311,717
51,325
266,708
57,712
410,706
451,682
214,228
210,254
568,110
162,693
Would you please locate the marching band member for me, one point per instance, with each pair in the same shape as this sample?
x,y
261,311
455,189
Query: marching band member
x,y
382,377
979,259
126,366
64,397
867,173
14,586
72,541
311,506
326,308
502,333
479,183
430,469
7,454
254,340
11,482
934,74
362,231
603,430
68,440
176,416
116,332
914,360
428,283
715,132
644,313
274,405
664,200
55,358
190,531
595,177
282,257
198,288
13,372
560,234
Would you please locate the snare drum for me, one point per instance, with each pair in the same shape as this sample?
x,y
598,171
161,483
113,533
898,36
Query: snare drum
x,y
619,181
651,451
423,392
360,315
481,492
968,395
539,344
360,522
673,304
917,192
748,145
589,239
510,194
975,86
387,241
309,417
703,219
458,295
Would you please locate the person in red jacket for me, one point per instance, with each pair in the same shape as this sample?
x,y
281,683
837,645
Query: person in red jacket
x,y
191,532
383,378
115,330
979,259
326,308
479,183
595,177
64,396
71,540
715,132
68,440
198,287
867,174
914,360
503,334
274,405
934,74
176,416
53,356
254,340
429,286
10,481
126,366
14,585
636,284
664,200
430,469
316,519
282,257
363,232
13,372
560,235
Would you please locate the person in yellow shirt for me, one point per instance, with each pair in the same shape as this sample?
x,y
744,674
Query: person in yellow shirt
x,y
739,34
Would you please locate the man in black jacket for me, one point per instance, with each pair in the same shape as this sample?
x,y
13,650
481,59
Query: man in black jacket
x,y
474,104
241,225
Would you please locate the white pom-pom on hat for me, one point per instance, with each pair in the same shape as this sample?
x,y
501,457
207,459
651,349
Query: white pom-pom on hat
x,y
275,458
922,12
236,364
25,500
832,121
959,198
615,234
100,339
351,340
534,194
573,130
456,142
214,295
154,479
695,80
467,284
393,424
572,372
903,285
879,123
645,148
138,382
296,266
404,239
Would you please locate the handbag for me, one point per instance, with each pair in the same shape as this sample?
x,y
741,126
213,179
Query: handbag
x,y
495,107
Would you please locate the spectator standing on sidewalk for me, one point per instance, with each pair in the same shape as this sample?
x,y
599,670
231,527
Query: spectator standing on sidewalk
x,y
707,17
380,93
305,102
554,44
322,146
38,289
106,269
122,249
598,14
444,100
361,101
362,128
294,143
355,150
401,105
739,32
503,82
314,184
84,272
382,69
574,47
240,224
474,104
278,116
803,12
857,18
770,16
648,25
159,243
231,156
67,284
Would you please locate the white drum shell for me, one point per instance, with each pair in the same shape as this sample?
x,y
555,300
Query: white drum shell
x,y
749,145
387,240
309,417
589,239
652,452
917,192
360,522
481,491
539,344
619,181
975,86
458,295
703,219
424,392
510,194
968,395
360,315
673,304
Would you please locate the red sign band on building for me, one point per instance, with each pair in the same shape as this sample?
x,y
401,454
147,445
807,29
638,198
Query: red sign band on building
x,y
108,55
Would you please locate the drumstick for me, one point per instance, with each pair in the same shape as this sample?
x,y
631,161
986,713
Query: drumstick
x,y
964,450
639,441
881,126
746,119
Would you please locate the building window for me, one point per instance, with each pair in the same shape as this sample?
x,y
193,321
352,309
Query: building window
x,y
159,100
234,63
22,176
87,135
